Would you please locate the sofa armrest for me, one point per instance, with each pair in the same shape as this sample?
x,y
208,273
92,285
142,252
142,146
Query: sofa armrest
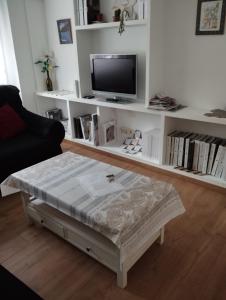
x,y
44,127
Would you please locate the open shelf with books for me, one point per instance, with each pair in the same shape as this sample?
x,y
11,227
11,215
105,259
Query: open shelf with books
x,y
196,148
155,127
122,122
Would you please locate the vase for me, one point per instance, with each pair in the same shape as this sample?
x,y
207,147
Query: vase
x,y
49,84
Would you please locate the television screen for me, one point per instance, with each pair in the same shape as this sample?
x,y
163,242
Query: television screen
x,y
114,73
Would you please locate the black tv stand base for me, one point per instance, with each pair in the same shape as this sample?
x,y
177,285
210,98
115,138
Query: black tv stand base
x,y
114,99
118,100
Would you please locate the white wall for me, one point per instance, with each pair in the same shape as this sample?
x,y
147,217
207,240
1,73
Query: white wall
x,y
194,66
185,66
65,55
36,19
28,32
156,47
7,45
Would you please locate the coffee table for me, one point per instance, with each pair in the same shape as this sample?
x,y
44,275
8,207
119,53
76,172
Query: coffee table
x,y
114,221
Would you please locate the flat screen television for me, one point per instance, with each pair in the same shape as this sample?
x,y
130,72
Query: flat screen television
x,y
114,75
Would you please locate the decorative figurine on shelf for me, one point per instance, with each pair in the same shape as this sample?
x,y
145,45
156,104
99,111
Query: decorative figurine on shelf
x,y
125,9
117,14
47,65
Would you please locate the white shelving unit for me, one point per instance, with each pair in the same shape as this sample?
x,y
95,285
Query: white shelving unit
x,y
137,39
189,119
110,25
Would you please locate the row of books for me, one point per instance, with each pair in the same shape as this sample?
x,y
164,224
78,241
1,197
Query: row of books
x,y
142,9
86,127
198,153
87,11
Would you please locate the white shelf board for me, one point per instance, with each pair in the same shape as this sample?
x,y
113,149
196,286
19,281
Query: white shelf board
x,y
97,26
60,95
115,149
134,106
195,114
203,178
187,113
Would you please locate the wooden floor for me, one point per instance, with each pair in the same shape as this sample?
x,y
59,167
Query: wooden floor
x,y
190,265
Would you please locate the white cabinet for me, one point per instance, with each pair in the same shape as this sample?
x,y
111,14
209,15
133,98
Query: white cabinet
x,y
136,116
144,38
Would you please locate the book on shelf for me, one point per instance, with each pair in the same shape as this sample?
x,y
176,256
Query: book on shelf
x,y
213,152
202,149
176,147
206,154
216,170
109,132
190,155
142,9
78,128
198,141
168,147
81,12
224,168
95,130
187,151
198,153
220,166
172,147
182,140
85,12
86,127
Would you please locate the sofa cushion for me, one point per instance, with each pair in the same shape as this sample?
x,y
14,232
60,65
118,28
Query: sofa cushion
x,y
11,123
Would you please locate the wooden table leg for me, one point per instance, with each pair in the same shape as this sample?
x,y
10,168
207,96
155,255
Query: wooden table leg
x,y
25,200
122,278
162,236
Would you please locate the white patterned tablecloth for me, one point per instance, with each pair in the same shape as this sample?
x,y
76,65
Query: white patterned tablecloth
x,y
77,186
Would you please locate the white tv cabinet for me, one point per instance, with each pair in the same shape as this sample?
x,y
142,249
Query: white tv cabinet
x,y
146,39
137,116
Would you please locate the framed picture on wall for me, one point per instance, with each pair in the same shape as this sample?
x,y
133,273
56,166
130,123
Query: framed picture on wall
x,y
64,30
210,17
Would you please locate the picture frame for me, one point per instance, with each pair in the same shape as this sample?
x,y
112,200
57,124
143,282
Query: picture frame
x,y
64,31
109,131
210,17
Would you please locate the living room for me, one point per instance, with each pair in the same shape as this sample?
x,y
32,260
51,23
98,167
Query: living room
x,y
133,94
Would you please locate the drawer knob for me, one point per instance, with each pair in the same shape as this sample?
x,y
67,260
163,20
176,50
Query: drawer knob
x,y
42,221
88,249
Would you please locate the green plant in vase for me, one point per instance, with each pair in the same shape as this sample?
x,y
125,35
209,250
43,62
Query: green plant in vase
x,y
47,66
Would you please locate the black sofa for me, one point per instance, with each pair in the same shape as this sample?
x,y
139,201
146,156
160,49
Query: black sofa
x,y
41,140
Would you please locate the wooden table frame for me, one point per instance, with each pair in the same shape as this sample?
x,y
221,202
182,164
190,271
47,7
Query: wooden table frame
x,y
90,241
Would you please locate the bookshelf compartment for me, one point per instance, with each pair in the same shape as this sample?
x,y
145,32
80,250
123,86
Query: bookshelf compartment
x,y
107,12
127,123
197,148
200,127
45,104
79,109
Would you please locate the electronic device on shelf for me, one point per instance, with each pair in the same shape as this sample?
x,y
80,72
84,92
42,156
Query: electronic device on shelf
x,y
89,97
114,76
